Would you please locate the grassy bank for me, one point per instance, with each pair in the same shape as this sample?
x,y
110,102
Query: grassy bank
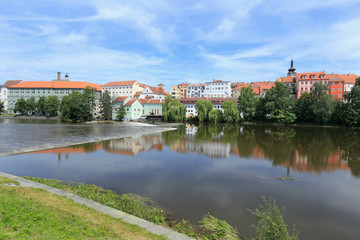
x,y
270,222
28,213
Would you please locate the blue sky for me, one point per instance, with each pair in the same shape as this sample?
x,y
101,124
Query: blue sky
x,y
176,41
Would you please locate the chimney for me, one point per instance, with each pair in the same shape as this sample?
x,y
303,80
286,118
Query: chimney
x,y
66,76
59,76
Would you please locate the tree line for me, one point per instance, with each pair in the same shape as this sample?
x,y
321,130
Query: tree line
x,y
74,107
276,106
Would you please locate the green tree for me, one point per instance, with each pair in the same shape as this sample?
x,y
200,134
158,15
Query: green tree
x,y
231,111
323,104
77,107
216,116
31,106
277,105
247,103
203,108
120,114
52,105
173,110
105,106
1,107
21,106
89,97
351,111
40,106
304,108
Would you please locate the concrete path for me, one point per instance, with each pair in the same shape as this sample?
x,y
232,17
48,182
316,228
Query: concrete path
x,y
151,227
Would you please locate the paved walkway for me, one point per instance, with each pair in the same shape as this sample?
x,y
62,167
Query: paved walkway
x,y
151,227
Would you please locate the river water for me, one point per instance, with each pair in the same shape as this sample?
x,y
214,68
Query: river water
x,y
224,170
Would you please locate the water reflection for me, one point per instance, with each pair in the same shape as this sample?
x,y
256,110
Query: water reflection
x,y
304,149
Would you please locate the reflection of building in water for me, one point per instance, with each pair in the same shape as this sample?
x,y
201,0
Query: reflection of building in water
x,y
213,149
191,130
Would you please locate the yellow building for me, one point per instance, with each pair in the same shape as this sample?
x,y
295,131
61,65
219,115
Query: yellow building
x,y
179,91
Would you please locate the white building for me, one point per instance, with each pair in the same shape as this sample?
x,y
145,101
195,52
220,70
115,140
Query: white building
x,y
152,92
4,92
195,90
189,104
123,88
218,89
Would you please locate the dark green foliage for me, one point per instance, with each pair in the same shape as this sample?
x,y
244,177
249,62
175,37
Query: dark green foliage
x,y
216,116
323,105
247,103
277,105
52,105
78,107
21,107
214,229
271,225
41,106
173,110
121,112
1,107
231,111
105,106
31,106
203,108
304,108
351,109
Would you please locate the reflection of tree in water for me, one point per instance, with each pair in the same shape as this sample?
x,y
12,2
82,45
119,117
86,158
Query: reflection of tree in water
x,y
171,137
230,133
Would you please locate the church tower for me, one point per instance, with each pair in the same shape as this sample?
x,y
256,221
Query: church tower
x,y
292,72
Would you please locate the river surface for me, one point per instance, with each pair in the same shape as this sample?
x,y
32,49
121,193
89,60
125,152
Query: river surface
x,y
224,170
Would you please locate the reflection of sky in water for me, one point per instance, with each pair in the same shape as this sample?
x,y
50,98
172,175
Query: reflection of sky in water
x,y
192,173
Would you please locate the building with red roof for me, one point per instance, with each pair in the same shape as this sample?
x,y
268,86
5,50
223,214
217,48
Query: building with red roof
x,y
123,88
179,91
4,91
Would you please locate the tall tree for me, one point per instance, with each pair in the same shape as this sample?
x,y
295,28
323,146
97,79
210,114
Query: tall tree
x,y
31,105
21,106
120,114
1,107
277,105
40,106
203,108
75,107
173,110
247,103
231,111
323,104
304,108
52,105
105,106
89,97
351,111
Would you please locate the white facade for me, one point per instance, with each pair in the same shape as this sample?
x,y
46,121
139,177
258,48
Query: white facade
x,y
154,93
195,90
348,87
218,89
122,89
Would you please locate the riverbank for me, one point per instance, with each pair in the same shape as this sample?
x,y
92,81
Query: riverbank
x,y
31,213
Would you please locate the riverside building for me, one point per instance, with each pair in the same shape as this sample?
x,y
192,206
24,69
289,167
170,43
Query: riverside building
x,y
218,89
123,88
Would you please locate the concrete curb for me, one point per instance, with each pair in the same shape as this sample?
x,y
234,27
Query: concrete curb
x,y
151,227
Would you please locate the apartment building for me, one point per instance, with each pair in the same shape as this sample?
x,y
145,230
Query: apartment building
x,y
4,91
218,89
195,90
179,91
123,88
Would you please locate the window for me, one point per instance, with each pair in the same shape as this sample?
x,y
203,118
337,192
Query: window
x,y
339,95
332,89
340,83
332,95
340,89
333,83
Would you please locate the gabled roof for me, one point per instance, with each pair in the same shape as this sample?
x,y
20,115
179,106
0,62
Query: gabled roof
x,y
158,90
120,99
56,85
142,85
120,83
10,83
151,101
317,76
287,79
130,102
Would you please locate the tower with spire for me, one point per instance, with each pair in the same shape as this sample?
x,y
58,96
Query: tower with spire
x,y
291,72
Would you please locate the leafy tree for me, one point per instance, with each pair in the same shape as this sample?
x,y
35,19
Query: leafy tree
x,y
231,111
247,103
21,106
105,106
40,106
216,116
31,105
351,111
304,108
323,104
78,107
203,108
1,107
52,105
173,110
277,105
120,114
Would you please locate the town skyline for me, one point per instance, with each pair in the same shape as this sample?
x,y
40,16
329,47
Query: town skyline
x,y
170,43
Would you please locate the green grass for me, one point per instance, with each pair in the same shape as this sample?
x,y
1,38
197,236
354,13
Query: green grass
x,y
27,213
7,181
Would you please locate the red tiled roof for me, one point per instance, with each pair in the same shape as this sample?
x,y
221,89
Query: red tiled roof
x,y
315,74
137,94
10,83
158,90
142,85
56,84
148,97
155,101
349,78
120,99
120,83
130,102
286,79
239,87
